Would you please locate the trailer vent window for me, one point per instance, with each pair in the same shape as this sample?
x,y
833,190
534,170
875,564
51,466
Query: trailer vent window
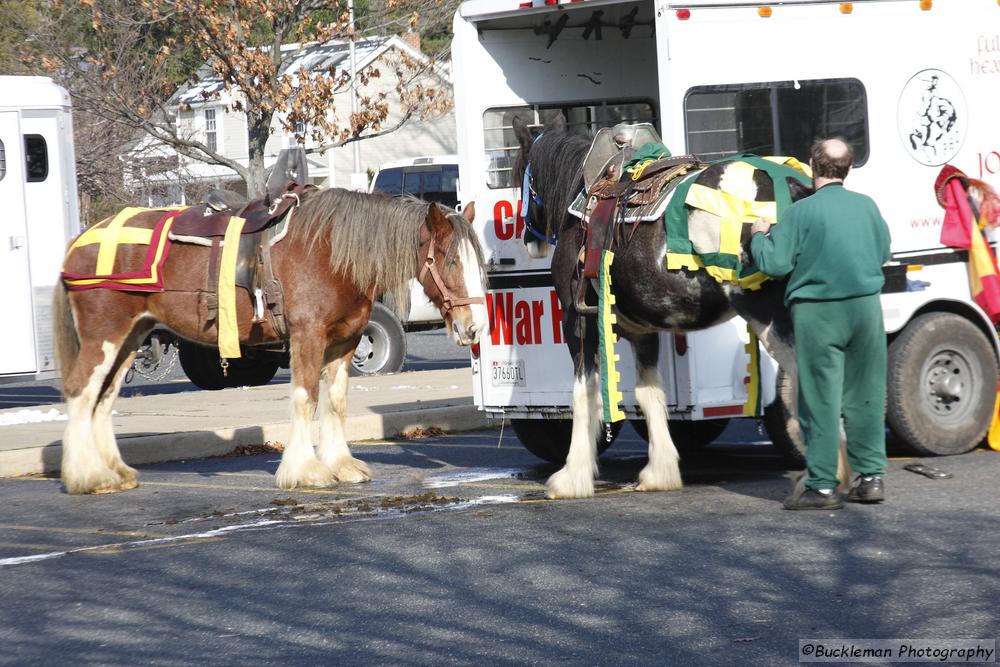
x,y
776,118
3,161
36,158
582,118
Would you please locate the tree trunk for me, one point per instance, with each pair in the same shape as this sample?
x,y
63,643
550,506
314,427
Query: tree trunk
x,y
258,131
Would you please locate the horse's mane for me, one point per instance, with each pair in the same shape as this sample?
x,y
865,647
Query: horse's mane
x,y
557,170
373,239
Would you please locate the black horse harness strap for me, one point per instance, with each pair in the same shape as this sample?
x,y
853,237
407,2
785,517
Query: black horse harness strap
x,y
450,301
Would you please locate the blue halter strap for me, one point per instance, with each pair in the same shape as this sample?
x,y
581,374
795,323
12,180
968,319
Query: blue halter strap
x,y
528,195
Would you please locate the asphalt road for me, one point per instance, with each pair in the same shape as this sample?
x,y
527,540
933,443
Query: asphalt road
x,y
453,556
425,350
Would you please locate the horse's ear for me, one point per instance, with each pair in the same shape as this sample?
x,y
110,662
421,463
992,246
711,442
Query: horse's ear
x,y
558,123
469,212
437,221
798,190
522,133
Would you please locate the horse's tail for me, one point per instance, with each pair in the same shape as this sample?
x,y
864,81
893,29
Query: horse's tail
x,y
64,329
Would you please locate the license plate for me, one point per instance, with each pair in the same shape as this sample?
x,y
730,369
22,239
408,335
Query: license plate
x,y
508,373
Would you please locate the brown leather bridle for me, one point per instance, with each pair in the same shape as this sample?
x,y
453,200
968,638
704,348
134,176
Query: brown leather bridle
x,y
449,300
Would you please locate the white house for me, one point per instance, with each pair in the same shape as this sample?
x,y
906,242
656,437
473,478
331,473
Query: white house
x,y
204,112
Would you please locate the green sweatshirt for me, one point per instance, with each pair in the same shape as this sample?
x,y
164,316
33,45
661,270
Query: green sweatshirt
x,y
832,245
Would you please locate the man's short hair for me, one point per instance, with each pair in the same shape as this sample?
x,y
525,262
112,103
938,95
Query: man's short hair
x,y
827,166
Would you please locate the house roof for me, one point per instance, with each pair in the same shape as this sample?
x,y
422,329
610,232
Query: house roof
x,y
333,55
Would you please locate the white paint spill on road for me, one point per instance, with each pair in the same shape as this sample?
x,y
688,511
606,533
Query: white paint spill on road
x,y
137,543
494,500
321,518
467,476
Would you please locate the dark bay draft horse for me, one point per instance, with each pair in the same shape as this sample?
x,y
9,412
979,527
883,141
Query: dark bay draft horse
x,y
649,299
342,250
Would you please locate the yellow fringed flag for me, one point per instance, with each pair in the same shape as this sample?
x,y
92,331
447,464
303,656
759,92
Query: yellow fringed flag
x,y
752,406
610,377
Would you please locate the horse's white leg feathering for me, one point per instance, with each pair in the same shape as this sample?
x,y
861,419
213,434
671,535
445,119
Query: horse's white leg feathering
x,y
333,450
662,473
104,431
299,465
84,470
576,478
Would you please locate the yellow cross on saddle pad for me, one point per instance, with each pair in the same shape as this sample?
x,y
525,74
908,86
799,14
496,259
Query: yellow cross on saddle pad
x,y
112,233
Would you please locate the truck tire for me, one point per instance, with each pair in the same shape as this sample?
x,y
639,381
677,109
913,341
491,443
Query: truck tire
x,y
548,439
202,366
689,437
942,385
382,348
782,427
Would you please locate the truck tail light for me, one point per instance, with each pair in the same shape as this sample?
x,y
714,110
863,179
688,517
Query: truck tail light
x,y
680,344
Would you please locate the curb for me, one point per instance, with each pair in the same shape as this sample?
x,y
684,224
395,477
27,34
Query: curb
x,y
163,447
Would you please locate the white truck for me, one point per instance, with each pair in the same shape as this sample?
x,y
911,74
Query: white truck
x,y
912,84
37,176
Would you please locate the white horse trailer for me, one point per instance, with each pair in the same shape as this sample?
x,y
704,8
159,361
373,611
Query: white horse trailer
x,y
912,84
38,200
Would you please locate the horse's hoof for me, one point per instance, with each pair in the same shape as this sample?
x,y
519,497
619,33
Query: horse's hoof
x,y
124,486
129,475
311,473
97,483
563,485
351,471
660,480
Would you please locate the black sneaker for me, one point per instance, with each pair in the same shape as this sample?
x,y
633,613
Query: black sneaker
x,y
814,499
867,489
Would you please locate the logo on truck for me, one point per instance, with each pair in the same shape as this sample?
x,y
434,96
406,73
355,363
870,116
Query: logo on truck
x,y
932,117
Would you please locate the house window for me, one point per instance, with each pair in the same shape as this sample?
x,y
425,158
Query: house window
x,y
36,158
3,161
298,130
584,118
210,134
776,118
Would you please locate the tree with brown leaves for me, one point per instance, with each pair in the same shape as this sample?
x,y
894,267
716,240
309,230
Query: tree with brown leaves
x,y
124,60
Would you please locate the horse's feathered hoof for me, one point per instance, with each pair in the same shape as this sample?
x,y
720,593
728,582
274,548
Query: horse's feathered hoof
x,y
105,481
129,475
564,485
351,471
311,473
667,478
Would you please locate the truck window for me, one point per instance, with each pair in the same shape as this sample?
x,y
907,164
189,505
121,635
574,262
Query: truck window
x,y
437,183
775,118
585,118
36,158
389,181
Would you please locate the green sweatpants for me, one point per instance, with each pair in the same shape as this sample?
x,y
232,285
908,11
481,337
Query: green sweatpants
x,y
840,350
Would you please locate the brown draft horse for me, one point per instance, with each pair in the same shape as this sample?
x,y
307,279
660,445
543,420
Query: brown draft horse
x,y
342,250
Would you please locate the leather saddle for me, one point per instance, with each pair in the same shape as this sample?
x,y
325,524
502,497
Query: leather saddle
x,y
253,271
212,218
611,191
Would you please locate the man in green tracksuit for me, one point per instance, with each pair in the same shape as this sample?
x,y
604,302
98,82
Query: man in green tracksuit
x,y
832,246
